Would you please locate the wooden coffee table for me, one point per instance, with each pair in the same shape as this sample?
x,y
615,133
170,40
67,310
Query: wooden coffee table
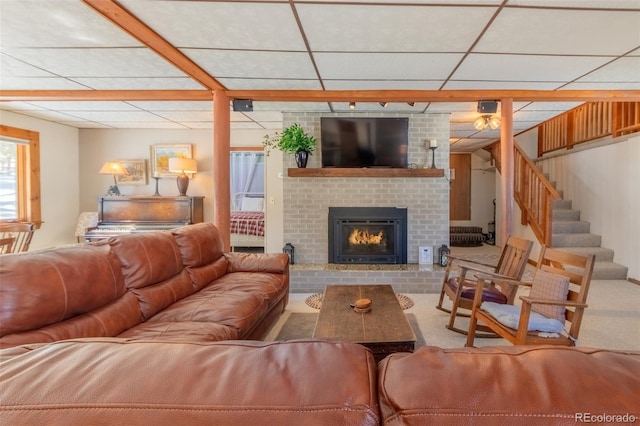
x,y
384,330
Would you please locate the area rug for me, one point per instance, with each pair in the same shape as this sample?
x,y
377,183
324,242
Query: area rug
x,y
301,325
315,301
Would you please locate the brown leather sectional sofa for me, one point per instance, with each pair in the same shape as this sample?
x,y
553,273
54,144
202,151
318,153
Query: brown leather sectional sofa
x,y
175,285
163,336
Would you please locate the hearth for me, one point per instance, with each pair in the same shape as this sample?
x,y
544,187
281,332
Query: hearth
x,y
375,235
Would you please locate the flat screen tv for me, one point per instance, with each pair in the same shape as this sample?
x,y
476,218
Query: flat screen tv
x,y
364,142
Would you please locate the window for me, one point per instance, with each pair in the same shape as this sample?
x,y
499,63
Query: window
x,y
19,175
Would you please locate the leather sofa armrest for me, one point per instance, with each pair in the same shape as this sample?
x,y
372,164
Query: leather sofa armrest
x,y
275,263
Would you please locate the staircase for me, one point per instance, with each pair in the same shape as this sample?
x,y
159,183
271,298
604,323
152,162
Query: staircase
x,y
569,233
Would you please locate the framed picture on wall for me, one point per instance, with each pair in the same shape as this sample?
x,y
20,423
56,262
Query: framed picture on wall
x,y
160,155
137,172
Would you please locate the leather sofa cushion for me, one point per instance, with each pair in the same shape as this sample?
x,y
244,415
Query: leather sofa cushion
x,y
160,383
506,385
200,244
237,309
273,287
147,258
275,263
181,331
106,321
57,286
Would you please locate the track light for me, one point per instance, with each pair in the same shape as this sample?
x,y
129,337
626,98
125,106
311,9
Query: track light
x,y
352,105
486,120
384,104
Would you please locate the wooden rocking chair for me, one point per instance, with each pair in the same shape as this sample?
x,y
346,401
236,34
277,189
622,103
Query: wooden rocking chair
x,y
558,295
462,289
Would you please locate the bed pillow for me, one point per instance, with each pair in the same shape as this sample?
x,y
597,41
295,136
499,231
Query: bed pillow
x,y
253,204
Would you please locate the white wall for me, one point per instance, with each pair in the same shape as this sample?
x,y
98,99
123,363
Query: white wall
x,y
59,179
100,145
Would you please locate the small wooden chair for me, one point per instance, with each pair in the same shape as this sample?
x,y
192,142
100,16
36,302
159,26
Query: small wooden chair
x,y
21,234
558,295
462,289
6,244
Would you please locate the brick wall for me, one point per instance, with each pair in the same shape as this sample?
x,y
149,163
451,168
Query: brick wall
x,y
306,201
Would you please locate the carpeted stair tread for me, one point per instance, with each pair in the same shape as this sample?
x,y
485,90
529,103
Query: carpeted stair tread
x,y
570,226
565,214
576,240
602,254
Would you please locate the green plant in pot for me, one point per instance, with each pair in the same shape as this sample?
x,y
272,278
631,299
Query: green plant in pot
x,y
292,140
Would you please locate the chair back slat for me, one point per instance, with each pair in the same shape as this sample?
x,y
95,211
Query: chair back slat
x,y
20,234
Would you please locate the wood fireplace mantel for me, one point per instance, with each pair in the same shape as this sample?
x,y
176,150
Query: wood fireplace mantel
x,y
365,172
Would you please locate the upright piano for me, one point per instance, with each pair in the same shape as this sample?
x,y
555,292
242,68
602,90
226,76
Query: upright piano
x,y
119,215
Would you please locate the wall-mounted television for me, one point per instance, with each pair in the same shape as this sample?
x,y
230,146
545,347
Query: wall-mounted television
x,y
364,141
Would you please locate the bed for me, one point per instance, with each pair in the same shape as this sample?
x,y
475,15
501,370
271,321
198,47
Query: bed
x,y
247,220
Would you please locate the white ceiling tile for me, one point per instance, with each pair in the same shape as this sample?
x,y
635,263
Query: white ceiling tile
x,y
19,106
38,83
623,70
386,28
173,105
550,106
245,64
106,62
382,84
534,68
291,106
178,116
144,124
499,85
587,4
197,124
12,67
601,86
269,84
382,66
222,25
265,115
67,23
138,83
562,32
84,106
114,116
245,125
85,124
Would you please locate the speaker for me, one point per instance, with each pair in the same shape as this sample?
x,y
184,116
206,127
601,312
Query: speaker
x,y
487,107
242,105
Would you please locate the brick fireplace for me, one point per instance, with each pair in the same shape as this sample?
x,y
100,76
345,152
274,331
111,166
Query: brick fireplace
x,y
306,203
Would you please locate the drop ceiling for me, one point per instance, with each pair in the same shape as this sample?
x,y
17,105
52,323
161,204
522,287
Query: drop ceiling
x,y
401,52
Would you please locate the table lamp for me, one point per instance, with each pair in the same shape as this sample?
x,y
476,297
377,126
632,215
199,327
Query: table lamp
x,y
113,168
182,166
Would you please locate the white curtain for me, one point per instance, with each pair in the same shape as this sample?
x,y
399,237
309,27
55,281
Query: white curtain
x,y
247,174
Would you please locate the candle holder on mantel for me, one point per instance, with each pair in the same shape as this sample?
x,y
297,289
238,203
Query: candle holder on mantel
x,y
432,145
157,178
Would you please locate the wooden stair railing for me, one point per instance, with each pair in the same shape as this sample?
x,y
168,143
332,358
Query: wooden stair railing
x,y
587,122
535,195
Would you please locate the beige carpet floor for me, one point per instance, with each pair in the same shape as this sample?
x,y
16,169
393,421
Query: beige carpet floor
x,y
611,321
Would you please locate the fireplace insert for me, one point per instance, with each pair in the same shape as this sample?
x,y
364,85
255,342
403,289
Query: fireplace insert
x,y
376,235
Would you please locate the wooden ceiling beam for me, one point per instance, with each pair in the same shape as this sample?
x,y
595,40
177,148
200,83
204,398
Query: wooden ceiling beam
x,y
121,17
434,95
326,95
106,95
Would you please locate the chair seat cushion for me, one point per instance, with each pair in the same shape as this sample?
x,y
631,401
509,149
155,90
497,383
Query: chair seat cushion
x,y
489,294
509,315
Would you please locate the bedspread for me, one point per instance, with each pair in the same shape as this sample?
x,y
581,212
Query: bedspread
x,y
247,223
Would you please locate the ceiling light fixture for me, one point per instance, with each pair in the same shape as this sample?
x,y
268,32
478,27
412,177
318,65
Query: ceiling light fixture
x,y
486,120
384,104
352,105
411,103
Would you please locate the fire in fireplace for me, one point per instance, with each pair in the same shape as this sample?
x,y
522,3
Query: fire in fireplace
x,y
367,235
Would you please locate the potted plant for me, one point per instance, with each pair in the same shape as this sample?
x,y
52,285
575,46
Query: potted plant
x,y
292,140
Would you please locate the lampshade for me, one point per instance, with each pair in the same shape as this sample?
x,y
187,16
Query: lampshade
x,y
179,165
113,168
